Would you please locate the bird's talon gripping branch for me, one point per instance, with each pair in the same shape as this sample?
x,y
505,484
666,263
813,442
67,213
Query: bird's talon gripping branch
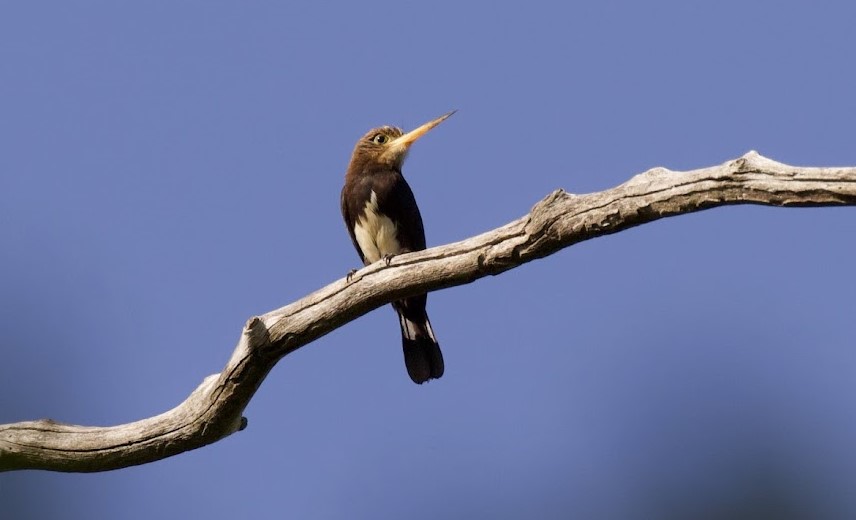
x,y
383,220
350,275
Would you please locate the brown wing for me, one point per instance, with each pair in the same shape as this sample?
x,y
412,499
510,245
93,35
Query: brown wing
x,y
350,216
395,200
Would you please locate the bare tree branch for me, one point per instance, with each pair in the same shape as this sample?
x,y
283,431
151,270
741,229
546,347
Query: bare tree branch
x,y
213,410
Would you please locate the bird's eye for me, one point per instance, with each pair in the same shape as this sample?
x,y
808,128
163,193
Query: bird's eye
x,y
380,139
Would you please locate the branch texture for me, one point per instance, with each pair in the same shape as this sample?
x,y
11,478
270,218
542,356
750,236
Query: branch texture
x,y
213,411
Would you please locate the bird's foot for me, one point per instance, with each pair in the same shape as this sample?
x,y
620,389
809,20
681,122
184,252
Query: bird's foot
x,y
387,259
350,275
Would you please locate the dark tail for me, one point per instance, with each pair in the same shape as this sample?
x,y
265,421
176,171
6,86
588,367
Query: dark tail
x,y
422,354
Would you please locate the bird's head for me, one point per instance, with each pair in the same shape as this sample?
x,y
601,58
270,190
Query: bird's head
x,y
386,147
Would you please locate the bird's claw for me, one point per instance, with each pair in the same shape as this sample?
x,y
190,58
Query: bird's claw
x,y
387,259
350,275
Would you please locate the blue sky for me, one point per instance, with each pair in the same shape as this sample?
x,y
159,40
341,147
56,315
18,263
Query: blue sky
x,y
170,169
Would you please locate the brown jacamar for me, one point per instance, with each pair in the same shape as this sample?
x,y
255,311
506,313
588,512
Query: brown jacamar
x,y
383,220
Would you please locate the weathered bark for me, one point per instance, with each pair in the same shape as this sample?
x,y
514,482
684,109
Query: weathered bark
x,y
213,410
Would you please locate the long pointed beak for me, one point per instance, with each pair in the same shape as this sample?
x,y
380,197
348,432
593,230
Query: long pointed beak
x,y
402,144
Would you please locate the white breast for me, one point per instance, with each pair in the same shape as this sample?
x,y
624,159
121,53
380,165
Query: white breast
x,y
375,233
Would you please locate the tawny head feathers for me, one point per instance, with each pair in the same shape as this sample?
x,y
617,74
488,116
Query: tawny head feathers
x,y
386,147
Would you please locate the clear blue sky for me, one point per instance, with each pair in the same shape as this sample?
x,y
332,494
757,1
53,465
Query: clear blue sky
x,y
168,170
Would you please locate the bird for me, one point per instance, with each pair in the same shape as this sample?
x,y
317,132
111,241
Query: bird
x,y
383,220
